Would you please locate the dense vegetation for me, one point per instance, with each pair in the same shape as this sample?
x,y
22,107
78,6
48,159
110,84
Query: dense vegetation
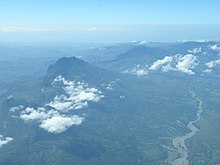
x,y
135,121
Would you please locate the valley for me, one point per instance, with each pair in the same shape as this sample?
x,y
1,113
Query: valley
x,y
132,106
179,143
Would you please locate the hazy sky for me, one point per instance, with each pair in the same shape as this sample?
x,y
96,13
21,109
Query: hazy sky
x,y
109,20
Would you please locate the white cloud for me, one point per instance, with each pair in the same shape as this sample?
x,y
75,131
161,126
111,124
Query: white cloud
x,y
4,140
10,96
138,70
61,103
32,28
212,64
214,47
199,41
178,62
139,42
94,29
51,120
156,65
121,97
59,124
110,85
187,63
195,50
98,29
24,29
57,28
36,114
141,72
17,108
207,70
77,95
168,67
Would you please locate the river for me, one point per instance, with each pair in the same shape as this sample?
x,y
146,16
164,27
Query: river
x,y
179,143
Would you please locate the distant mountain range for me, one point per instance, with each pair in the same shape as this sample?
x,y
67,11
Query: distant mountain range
x,y
202,57
126,110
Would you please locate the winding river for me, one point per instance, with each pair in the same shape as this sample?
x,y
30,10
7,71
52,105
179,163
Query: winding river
x,y
179,143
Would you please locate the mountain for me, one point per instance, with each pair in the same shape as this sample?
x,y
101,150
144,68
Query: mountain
x,y
77,69
188,58
83,113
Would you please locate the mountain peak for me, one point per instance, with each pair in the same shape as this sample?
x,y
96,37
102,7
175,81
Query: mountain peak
x,y
67,66
70,62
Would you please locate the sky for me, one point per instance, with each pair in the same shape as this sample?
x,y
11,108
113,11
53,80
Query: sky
x,y
109,20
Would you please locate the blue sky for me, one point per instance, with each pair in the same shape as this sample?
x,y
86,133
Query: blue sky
x,y
109,20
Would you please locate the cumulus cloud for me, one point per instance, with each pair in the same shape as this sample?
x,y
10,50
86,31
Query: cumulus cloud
x,y
195,50
10,96
36,114
212,64
50,120
4,140
138,70
54,116
59,124
180,63
214,47
141,72
187,63
207,70
156,65
168,67
61,103
77,95
122,97
16,108
110,85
